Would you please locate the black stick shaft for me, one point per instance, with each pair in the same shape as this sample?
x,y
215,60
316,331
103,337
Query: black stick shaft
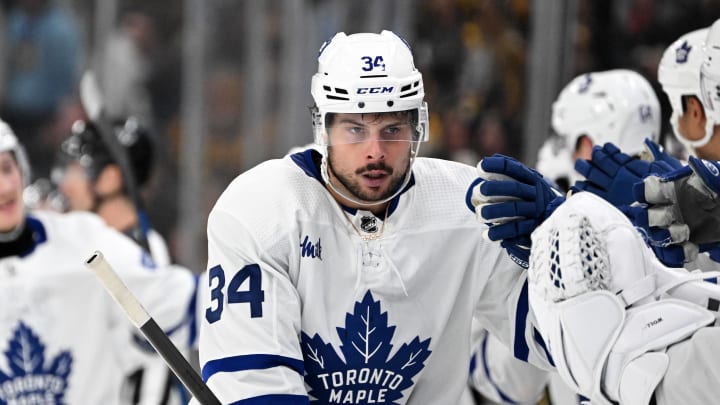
x,y
177,363
147,325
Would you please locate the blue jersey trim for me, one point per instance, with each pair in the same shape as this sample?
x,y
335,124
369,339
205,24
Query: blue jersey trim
x,y
468,194
473,363
250,362
541,342
192,312
274,399
39,234
521,349
486,367
305,160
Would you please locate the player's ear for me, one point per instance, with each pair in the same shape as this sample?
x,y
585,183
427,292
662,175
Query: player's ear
x,y
695,117
583,149
695,109
110,180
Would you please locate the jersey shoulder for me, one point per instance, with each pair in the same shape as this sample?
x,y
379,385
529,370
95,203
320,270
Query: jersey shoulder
x,y
271,199
442,188
81,233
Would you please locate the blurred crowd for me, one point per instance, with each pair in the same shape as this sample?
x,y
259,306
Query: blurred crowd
x,y
473,53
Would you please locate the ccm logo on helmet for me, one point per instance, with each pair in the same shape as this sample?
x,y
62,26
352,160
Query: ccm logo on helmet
x,y
375,90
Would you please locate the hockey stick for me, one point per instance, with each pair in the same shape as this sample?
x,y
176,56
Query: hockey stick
x,y
92,102
147,325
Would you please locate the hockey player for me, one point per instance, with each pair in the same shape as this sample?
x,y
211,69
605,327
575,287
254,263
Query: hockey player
x,y
352,275
696,126
686,199
616,106
563,263
90,178
62,338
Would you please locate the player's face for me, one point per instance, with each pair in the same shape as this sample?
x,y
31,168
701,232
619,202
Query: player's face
x,y
369,154
11,189
76,187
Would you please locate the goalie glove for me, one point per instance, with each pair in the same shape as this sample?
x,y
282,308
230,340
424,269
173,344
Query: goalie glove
x,y
512,200
611,173
687,197
605,307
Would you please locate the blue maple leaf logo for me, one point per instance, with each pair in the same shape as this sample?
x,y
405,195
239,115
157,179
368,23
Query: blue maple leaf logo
x,y
368,374
29,380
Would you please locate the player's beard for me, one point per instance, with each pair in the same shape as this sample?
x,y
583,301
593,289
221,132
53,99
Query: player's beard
x,y
349,180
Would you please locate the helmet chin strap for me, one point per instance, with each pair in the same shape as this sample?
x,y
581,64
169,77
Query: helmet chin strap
x,y
324,171
692,145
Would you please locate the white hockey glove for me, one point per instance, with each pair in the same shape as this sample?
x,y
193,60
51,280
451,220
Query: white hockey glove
x,y
605,306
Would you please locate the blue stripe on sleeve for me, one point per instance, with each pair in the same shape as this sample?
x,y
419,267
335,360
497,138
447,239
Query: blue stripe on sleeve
x,y
521,349
191,314
274,399
250,362
541,342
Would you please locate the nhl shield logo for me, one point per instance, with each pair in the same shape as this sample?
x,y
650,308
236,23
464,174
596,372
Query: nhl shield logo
x,y
368,224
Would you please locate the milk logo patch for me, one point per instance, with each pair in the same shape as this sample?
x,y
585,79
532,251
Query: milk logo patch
x,y
30,379
311,249
364,372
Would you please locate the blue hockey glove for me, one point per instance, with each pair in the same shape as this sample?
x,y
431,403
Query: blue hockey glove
x,y
669,243
611,174
687,196
657,154
512,200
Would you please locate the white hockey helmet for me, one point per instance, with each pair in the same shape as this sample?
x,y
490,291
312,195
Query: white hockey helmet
x,y
710,73
617,106
9,143
679,75
367,73
553,160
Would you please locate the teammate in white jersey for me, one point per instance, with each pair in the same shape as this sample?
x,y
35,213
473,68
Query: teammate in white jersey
x,y
585,250
352,275
674,236
616,106
62,337
90,178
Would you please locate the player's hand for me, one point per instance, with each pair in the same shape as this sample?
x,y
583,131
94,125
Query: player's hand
x,y
686,197
611,174
512,200
669,241
655,153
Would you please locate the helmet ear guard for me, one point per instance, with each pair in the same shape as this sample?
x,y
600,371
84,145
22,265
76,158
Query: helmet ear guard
x,y
679,75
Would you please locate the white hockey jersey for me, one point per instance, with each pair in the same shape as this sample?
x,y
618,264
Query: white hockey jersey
x,y
62,337
298,307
